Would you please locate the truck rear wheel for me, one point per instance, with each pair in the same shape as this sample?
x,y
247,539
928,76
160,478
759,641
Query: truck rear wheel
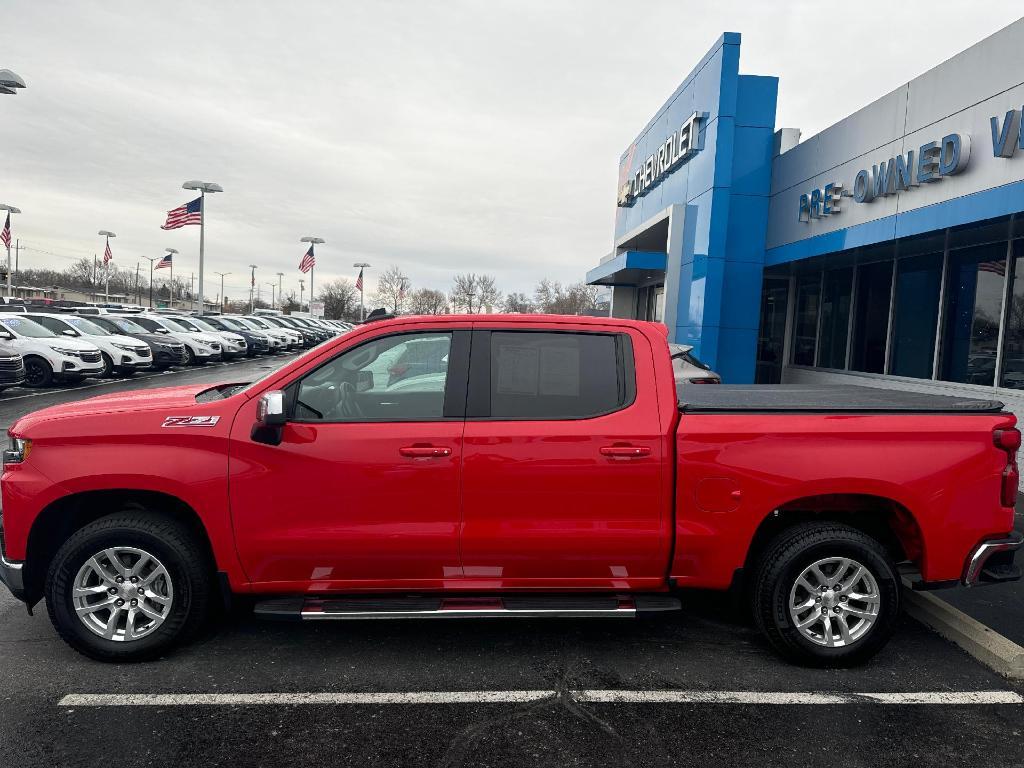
x,y
128,587
826,595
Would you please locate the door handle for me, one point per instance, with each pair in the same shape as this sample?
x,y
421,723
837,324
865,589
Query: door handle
x,y
425,451
625,451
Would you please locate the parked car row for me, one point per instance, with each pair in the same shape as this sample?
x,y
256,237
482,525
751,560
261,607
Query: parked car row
x,y
38,349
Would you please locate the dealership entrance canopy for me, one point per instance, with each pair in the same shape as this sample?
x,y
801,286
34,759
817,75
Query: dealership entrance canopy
x,y
886,250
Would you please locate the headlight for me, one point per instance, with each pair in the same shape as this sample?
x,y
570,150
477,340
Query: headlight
x,y
18,450
63,351
126,347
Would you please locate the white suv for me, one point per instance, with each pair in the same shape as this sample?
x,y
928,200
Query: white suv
x,y
233,344
49,356
121,354
199,347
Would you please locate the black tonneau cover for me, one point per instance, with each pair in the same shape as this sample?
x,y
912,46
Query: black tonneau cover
x,y
801,398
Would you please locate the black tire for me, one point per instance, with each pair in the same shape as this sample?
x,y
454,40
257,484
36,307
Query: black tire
x,y
38,372
172,543
108,366
784,561
190,356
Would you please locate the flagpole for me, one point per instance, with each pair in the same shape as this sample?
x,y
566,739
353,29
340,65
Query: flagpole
x,y
170,289
202,243
9,294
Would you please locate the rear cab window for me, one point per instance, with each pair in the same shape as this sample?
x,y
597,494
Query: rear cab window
x,y
543,375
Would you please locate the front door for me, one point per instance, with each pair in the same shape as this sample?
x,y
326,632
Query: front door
x,y
363,490
563,472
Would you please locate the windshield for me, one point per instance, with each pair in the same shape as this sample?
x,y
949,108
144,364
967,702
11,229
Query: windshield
x,y
24,327
259,322
86,326
179,324
202,325
150,324
126,325
244,323
230,323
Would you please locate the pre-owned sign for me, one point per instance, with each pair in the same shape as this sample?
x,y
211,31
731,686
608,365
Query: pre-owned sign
x,y
929,163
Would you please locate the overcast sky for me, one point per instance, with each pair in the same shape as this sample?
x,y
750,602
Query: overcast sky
x,y
440,136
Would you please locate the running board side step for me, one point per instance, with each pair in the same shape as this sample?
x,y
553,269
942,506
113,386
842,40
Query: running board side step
x,y
440,607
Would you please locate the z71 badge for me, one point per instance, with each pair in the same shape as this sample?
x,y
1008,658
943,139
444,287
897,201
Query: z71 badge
x,y
191,421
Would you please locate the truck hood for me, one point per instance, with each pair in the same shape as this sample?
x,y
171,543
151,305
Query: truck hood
x,y
164,398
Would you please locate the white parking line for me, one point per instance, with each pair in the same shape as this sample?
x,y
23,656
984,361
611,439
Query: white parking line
x,y
952,698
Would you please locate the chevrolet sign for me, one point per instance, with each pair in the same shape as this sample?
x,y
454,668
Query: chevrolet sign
x,y
677,149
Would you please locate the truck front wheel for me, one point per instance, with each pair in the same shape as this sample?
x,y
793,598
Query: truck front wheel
x,y
127,587
826,595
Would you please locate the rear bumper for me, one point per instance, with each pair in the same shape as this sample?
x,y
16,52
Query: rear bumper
x,y
991,562
11,573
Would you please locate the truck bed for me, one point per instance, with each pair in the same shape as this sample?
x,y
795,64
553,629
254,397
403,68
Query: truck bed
x,y
801,398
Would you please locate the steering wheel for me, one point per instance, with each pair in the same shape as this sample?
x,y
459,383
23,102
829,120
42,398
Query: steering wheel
x,y
348,406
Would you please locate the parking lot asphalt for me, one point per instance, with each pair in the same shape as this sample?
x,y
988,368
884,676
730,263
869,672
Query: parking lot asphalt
x,y
701,688
699,651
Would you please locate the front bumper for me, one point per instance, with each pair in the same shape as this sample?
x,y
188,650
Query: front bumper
x,y
11,573
991,562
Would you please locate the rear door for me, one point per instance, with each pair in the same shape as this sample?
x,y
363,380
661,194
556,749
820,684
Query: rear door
x,y
563,469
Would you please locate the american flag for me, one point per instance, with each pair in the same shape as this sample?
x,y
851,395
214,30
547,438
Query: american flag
x,y
997,267
359,280
308,261
165,262
107,254
5,235
253,277
189,213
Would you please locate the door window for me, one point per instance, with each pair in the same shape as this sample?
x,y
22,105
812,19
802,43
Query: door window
x,y
536,375
393,378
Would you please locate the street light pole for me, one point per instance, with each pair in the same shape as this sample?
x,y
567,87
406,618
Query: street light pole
x,y
362,305
7,239
302,292
170,291
280,289
203,187
106,265
10,82
273,287
252,285
151,260
222,302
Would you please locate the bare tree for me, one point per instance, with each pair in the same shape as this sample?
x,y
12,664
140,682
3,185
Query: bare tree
x,y
554,298
464,291
517,303
341,300
487,293
393,289
427,301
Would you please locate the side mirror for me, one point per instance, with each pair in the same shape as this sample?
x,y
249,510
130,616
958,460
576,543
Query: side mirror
x,y
6,336
270,409
163,330
69,332
270,418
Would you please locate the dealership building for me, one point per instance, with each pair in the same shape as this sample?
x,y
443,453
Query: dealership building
x,y
886,250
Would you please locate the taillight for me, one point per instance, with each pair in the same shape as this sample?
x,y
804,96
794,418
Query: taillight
x,y
1008,440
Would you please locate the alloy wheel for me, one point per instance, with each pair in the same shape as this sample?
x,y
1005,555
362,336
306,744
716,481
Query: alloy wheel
x,y
834,602
122,594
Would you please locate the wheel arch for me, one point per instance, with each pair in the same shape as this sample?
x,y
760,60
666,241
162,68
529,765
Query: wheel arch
x,y
882,518
63,517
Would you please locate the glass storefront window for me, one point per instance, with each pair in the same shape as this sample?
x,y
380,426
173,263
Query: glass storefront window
x,y
918,285
973,306
871,317
805,327
1013,341
835,318
772,334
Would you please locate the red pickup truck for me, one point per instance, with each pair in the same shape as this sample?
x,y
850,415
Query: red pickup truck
x,y
490,466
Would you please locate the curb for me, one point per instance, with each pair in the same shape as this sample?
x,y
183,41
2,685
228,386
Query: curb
x,y
999,653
